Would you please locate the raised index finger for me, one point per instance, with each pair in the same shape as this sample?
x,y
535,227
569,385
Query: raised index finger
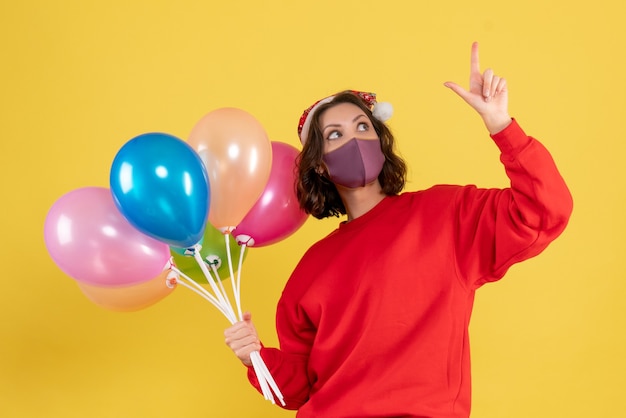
x,y
474,64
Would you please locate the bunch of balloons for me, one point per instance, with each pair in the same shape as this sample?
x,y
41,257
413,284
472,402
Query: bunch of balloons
x,y
175,213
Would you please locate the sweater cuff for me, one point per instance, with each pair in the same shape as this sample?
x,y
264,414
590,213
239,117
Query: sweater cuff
x,y
511,139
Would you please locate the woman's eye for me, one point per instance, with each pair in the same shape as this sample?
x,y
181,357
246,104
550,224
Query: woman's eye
x,y
334,135
361,127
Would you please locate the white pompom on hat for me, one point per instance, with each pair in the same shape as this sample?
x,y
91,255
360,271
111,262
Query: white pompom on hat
x,y
381,111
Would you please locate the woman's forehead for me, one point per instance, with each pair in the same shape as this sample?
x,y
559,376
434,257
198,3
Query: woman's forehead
x,y
340,113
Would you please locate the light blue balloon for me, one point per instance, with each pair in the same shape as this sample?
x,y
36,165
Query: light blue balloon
x,y
160,184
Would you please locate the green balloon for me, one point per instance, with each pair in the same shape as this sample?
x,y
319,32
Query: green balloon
x,y
213,250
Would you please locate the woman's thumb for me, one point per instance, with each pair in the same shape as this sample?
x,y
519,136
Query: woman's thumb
x,y
457,89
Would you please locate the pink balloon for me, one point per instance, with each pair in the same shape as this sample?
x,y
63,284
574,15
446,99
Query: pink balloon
x,y
276,214
92,242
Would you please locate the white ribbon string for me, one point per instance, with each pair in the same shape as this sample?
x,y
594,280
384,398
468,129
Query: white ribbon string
x,y
232,275
220,300
192,285
222,297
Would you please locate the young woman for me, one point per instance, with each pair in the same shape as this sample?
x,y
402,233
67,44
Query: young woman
x,y
373,321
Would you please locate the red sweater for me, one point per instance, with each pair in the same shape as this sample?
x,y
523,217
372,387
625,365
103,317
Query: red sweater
x,y
374,319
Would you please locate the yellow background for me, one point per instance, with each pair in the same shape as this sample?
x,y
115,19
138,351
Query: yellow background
x,y
80,78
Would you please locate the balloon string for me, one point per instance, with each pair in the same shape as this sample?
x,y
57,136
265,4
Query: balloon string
x,y
266,381
192,281
219,281
238,285
267,393
193,289
261,369
196,288
222,303
221,297
257,361
232,275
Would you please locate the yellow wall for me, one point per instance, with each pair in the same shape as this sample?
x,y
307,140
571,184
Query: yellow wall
x,y
80,78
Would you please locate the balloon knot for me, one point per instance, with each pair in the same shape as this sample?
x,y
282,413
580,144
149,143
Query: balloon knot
x,y
226,229
213,260
246,240
193,250
171,283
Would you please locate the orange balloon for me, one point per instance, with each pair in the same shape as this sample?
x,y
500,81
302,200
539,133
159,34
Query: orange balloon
x,y
237,154
129,298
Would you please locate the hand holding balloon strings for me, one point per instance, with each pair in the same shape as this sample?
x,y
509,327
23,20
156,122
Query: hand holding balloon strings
x,y
222,303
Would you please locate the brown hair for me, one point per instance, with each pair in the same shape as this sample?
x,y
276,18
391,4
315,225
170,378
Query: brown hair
x,y
316,194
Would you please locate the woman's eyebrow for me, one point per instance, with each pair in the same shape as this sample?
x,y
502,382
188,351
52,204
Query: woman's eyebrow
x,y
331,125
337,125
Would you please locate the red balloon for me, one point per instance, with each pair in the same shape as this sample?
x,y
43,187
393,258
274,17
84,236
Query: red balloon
x,y
276,214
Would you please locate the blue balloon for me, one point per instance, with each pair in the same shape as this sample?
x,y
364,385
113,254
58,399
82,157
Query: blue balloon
x,y
160,184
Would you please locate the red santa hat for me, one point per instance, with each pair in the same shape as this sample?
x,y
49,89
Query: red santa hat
x,y
381,111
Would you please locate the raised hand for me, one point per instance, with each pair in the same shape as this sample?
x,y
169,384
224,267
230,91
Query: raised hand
x,y
487,94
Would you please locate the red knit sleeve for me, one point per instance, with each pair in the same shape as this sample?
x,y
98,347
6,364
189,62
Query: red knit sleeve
x,y
289,364
497,228
289,372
